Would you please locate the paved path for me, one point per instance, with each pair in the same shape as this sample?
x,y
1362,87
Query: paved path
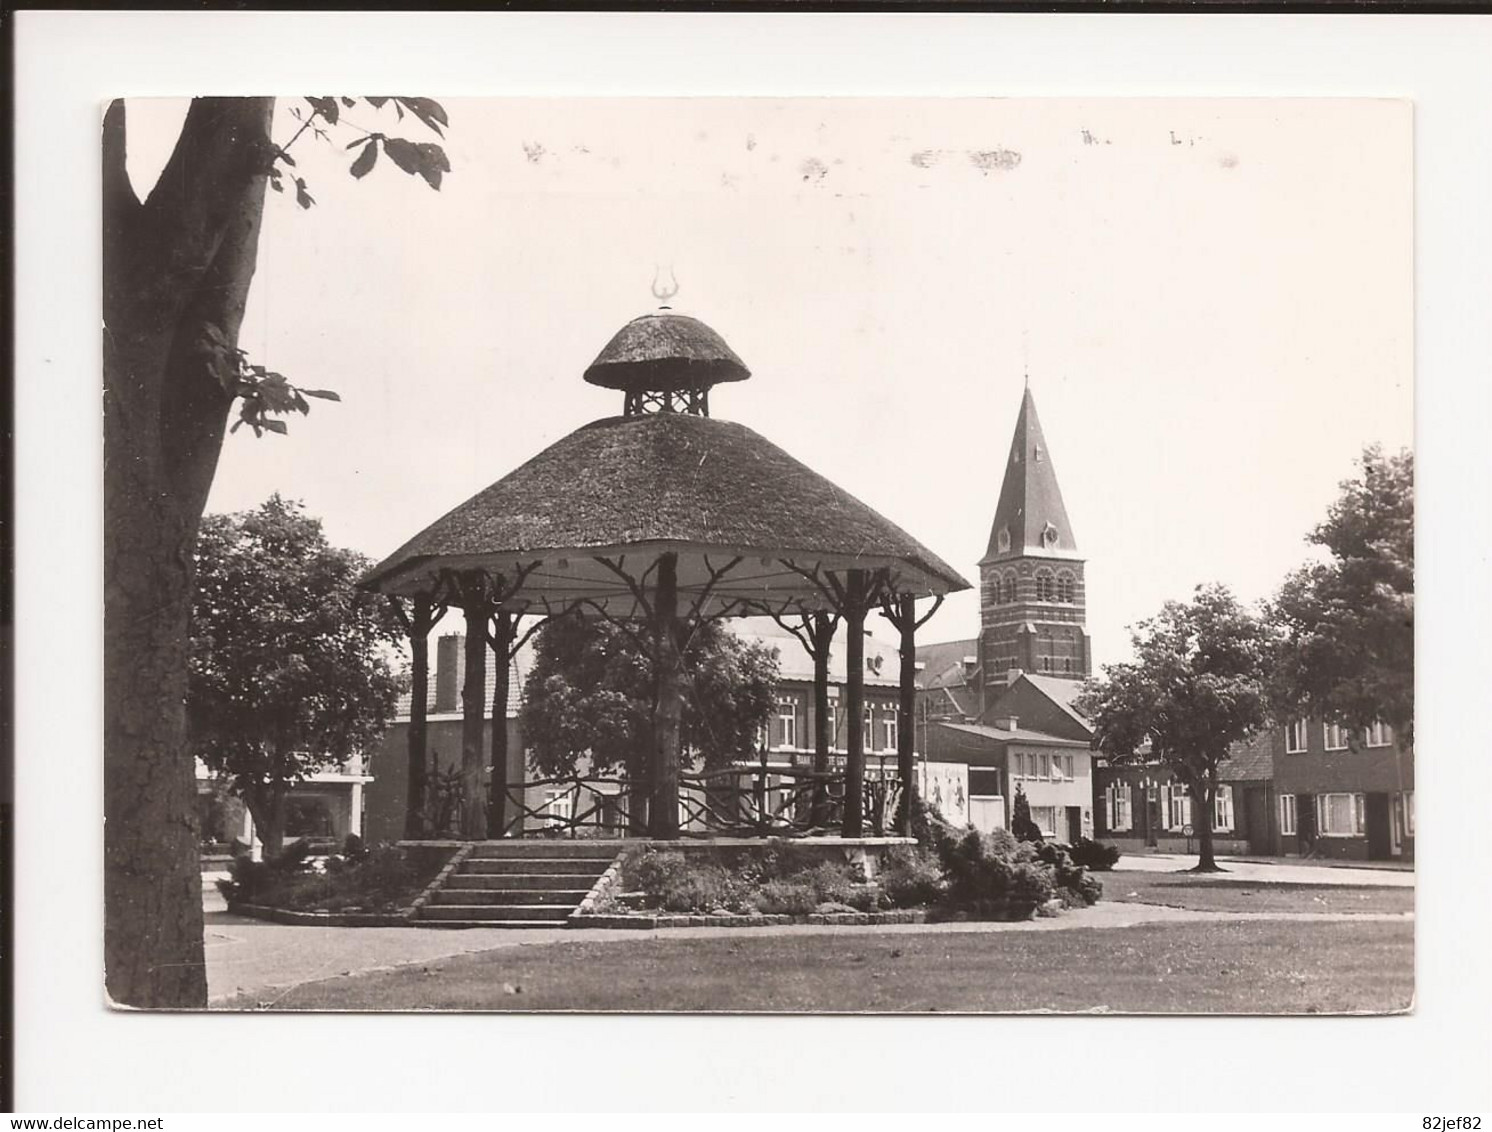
x,y
1258,872
252,957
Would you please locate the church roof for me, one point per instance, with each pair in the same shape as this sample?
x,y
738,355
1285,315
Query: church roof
x,y
1030,518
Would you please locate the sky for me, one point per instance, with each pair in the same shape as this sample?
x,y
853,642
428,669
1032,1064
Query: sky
x,y
1212,300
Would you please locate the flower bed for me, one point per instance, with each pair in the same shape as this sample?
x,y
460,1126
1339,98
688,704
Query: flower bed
x,y
379,886
953,873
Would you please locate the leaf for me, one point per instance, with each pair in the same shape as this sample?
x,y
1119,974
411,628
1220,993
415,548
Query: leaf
x,y
428,111
303,198
366,159
284,156
376,101
326,107
276,426
324,394
347,102
403,153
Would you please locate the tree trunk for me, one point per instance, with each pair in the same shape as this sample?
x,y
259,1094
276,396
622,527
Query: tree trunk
x,y
854,660
821,633
473,750
174,267
1207,787
503,625
663,812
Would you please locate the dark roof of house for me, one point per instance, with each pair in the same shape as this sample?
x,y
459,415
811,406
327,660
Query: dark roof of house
x,y
660,481
882,657
1249,761
1016,735
1030,500
664,351
1061,692
943,662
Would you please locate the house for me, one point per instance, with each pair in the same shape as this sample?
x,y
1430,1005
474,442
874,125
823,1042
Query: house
x,y
1141,806
389,761
325,807
1050,759
1341,794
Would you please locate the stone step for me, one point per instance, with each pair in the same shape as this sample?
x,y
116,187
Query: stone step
x,y
499,867
554,914
570,897
466,882
543,847
505,925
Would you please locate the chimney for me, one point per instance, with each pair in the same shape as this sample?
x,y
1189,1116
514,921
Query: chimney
x,y
1007,722
448,671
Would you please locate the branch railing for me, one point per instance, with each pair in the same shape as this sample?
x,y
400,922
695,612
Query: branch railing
x,y
761,801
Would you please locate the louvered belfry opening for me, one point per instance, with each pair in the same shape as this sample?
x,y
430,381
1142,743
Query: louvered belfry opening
x,y
662,518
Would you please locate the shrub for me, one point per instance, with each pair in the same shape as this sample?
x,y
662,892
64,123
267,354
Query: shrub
x,y
1020,818
1031,886
250,880
1094,855
831,882
672,882
911,877
353,848
1064,872
786,898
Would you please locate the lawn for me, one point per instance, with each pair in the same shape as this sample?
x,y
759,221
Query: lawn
x,y
1263,966
1212,893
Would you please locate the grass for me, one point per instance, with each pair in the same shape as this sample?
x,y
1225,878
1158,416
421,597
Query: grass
x,y
1212,893
1253,967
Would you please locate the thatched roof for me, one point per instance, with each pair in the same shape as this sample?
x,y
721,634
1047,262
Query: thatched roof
x,y
665,352
711,490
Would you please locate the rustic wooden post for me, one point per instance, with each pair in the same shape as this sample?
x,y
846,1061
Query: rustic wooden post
x,y
503,626
423,615
901,611
854,607
663,812
476,604
820,632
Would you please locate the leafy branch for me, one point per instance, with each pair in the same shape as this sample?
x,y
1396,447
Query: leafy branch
x,y
265,393
427,160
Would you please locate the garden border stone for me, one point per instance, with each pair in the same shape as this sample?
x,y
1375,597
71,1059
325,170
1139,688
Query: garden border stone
x,y
650,922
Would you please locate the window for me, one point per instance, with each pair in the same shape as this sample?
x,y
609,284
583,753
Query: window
x,y
559,804
1380,735
866,730
1044,767
1117,803
1066,588
1045,818
1336,736
1067,768
1339,815
1222,809
888,733
785,723
1287,815
1409,812
833,726
1011,593
1295,737
1046,586
1178,805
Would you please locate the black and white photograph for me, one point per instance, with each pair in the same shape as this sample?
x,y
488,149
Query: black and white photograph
x,y
609,549
652,567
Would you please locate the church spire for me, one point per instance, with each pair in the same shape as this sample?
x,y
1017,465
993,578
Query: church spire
x,y
1030,518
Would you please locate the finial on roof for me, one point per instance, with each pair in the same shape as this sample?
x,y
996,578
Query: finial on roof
x,y
664,291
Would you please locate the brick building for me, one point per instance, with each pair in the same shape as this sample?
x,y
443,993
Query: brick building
x,y
1342,794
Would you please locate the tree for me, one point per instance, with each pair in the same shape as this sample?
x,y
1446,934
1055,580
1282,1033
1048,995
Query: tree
x,y
1021,824
1346,625
177,270
290,670
1196,686
590,694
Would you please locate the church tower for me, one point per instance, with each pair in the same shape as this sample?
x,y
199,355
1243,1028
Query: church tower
x,y
1031,596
